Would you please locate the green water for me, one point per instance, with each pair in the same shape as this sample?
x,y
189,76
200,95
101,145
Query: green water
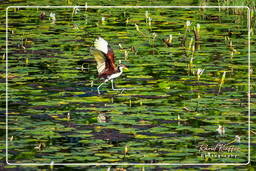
x,y
168,112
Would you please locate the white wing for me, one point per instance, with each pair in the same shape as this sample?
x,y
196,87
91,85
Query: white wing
x,y
101,45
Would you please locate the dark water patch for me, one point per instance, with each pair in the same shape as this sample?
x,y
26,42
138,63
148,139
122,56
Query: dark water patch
x,y
41,117
160,135
149,96
112,135
141,127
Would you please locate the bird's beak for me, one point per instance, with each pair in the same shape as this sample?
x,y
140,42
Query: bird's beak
x,y
126,68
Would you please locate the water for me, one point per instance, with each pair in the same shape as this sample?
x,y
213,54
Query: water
x,y
55,113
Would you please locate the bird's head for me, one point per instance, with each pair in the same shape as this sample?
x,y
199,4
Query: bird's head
x,y
122,66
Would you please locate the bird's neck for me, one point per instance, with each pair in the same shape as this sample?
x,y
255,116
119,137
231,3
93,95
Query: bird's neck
x,y
120,69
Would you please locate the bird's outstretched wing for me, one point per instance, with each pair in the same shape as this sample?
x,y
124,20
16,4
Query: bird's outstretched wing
x,y
101,45
104,52
100,59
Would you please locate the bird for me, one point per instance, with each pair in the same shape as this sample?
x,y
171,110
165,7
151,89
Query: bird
x,y
105,58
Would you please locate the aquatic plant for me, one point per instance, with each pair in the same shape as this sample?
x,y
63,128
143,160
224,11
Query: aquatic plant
x,y
52,17
68,116
149,22
222,81
103,20
238,138
221,130
198,73
196,31
75,10
168,41
52,165
138,30
187,29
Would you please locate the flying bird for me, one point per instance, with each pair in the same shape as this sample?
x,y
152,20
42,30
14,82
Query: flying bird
x,y
105,59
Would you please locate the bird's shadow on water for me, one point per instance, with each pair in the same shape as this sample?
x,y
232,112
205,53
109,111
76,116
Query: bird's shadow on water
x,y
92,91
89,92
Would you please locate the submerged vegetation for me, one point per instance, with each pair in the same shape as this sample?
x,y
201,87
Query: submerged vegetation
x,y
187,81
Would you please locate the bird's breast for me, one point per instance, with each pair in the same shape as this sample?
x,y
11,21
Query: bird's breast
x,y
115,75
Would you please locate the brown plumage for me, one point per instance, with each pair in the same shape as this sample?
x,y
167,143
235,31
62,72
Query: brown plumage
x,y
110,67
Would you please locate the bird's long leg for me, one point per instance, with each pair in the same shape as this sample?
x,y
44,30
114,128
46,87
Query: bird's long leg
x,y
98,88
113,88
112,83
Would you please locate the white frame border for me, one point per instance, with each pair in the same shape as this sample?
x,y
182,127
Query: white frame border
x,y
126,164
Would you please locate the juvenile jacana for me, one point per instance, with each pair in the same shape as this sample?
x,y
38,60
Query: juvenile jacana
x,y
105,59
